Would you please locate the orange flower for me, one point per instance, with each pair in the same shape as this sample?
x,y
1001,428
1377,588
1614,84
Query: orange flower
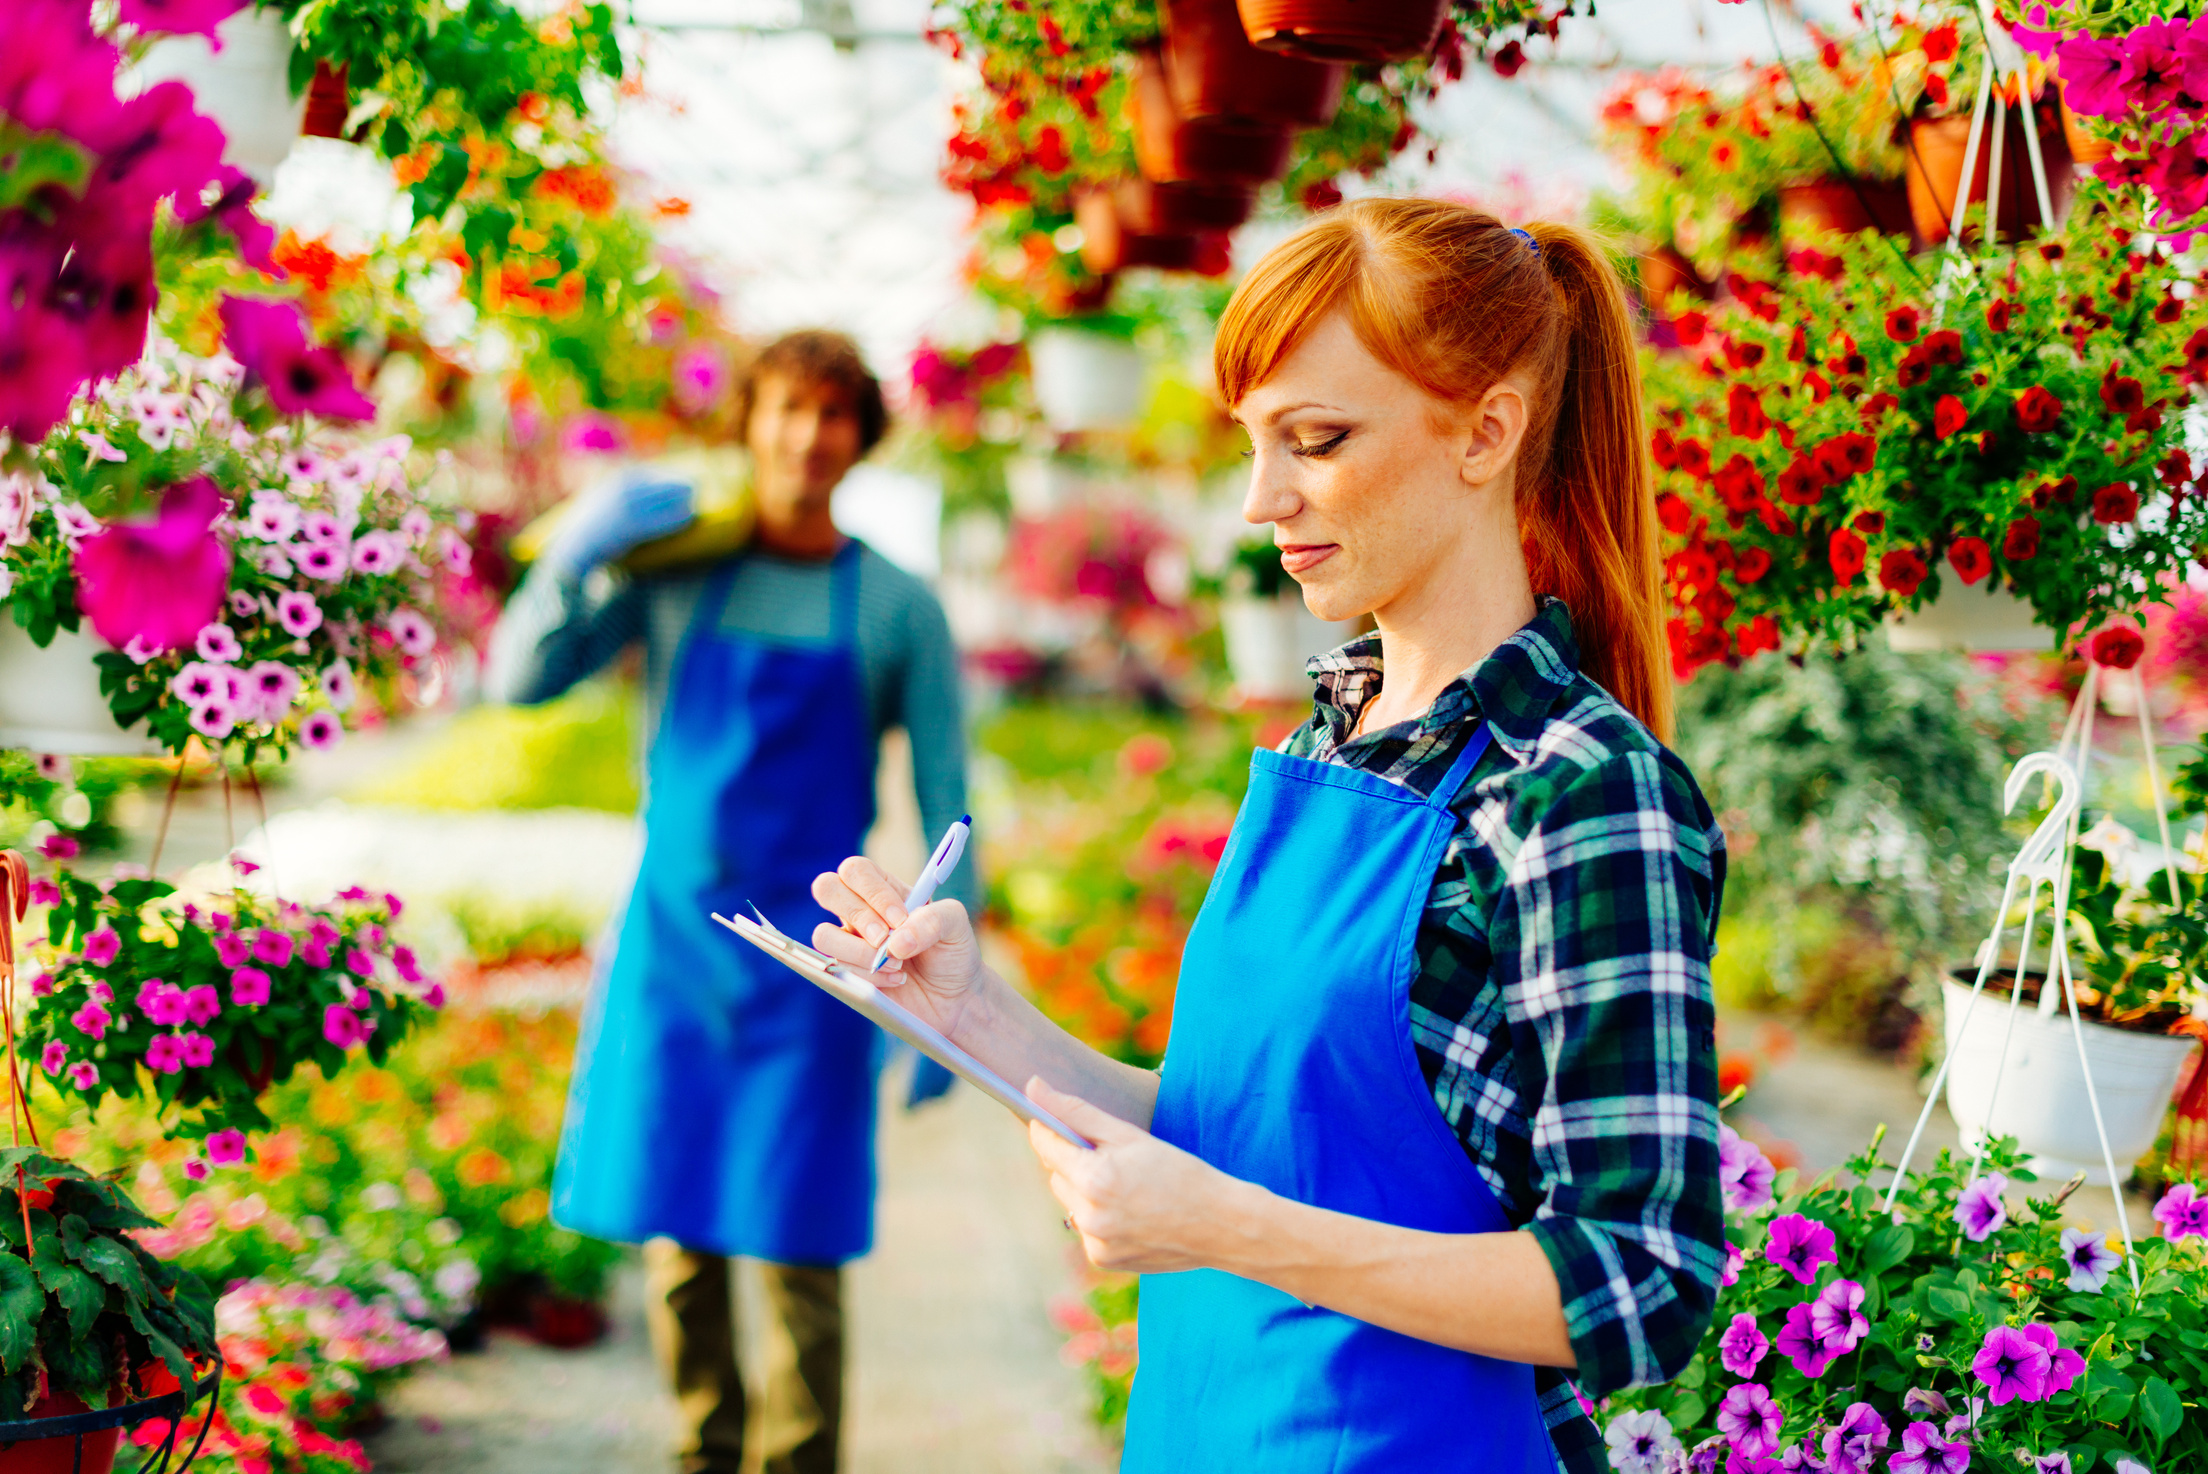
x,y
411,169
585,186
483,1167
673,207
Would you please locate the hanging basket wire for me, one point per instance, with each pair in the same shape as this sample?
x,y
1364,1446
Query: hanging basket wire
x,y
158,1460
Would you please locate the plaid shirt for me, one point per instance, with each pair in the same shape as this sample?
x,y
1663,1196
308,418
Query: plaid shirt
x,y
1562,1011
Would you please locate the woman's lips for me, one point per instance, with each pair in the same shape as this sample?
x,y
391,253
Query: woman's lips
x,y
1303,557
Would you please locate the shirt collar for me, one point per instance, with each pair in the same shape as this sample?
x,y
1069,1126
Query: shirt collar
x,y
1517,687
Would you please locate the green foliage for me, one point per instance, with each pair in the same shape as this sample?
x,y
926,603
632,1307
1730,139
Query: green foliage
x,y
575,752
85,1303
2143,958
30,162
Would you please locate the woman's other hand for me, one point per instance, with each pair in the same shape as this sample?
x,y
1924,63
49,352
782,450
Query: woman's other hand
x,y
933,946
1141,1205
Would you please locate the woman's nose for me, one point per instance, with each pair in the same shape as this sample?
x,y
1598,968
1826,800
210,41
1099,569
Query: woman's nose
x,y
1270,498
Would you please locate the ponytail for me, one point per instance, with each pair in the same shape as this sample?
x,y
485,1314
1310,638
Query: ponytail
x,y
1588,520
1453,300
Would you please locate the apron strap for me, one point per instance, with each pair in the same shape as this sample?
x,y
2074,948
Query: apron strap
x,y
843,594
1445,793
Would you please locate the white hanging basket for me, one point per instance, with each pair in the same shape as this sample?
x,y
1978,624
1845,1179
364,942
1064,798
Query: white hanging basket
x,y
50,699
1085,380
1268,640
2041,1096
245,87
1972,618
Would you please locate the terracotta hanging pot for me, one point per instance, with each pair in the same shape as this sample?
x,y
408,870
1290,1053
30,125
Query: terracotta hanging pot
x,y
327,103
1344,30
1215,72
1935,162
1148,208
1171,149
1832,206
2085,149
1172,227
1664,271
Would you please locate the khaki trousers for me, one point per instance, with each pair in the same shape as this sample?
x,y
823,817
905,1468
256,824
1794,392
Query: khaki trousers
x,y
792,1425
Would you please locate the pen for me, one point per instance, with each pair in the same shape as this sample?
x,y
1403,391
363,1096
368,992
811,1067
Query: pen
x,y
940,864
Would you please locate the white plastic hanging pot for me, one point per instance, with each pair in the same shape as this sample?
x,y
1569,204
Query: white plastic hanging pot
x,y
245,87
2041,1100
1268,641
1085,380
50,699
1973,618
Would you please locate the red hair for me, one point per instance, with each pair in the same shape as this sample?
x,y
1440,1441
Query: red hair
x,y
1453,300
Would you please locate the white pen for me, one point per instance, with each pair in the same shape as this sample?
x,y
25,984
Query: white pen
x,y
939,866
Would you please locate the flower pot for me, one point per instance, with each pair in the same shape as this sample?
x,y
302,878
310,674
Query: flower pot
x,y
328,101
1977,618
1085,380
564,1323
1344,30
1268,640
1214,71
1111,242
2085,149
1664,271
60,1455
1832,206
1171,149
1935,173
50,699
244,87
2042,1101
1180,209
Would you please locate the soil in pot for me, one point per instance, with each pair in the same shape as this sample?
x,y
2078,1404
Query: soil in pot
x,y
1344,30
1215,72
1171,149
59,1455
1935,172
1833,206
2092,1006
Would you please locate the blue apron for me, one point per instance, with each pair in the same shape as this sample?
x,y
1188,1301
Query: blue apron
x,y
1291,1065
719,1099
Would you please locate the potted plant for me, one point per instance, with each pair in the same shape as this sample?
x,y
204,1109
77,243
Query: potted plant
x,y
1951,1322
1173,149
89,1320
1269,630
1828,453
1087,374
1214,71
1344,30
201,1005
281,568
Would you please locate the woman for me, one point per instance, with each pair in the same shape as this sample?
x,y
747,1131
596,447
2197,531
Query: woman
x,y
1437,1125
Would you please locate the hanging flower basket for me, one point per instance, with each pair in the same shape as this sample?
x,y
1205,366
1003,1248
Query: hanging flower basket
x,y
1084,379
1978,618
1832,206
1344,30
1215,72
1935,172
50,698
1171,149
61,1435
245,87
2041,1100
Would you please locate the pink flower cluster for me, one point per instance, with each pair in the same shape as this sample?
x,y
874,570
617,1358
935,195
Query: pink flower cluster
x,y
2153,79
346,1330
76,269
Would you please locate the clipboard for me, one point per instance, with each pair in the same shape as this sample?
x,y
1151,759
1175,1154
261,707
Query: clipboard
x,y
847,985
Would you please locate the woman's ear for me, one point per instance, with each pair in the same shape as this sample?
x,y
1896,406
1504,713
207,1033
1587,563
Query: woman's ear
x,y
1495,430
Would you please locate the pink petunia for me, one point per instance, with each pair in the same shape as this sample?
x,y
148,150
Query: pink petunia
x,y
226,1148
299,613
270,339
202,1003
2153,78
337,685
415,634
233,948
218,643
341,1026
158,583
215,719
435,997
313,951
101,946
320,560
42,986
272,518
377,552
272,946
165,1055
320,732
198,1051
84,1074
272,686
53,1057
249,987
2092,76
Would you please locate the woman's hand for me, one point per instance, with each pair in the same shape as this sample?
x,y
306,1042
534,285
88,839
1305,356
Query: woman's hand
x,y
1141,1205
933,947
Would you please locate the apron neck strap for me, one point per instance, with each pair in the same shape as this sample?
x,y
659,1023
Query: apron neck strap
x,y
1446,792
843,592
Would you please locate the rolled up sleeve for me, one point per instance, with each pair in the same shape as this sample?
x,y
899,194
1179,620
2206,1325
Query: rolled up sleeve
x,y
1601,943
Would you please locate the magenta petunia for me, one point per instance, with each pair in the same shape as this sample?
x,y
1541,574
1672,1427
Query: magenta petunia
x,y
227,199
101,946
157,583
53,1057
2012,1366
158,146
249,987
359,963
226,1148
1836,1316
84,1074
402,962
341,1026
2182,1211
232,948
1800,1246
2063,1365
165,1055
180,17
198,1050
272,946
2153,77
59,847
1742,1346
202,1003
1750,1420
195,1168
1800,1344
1925,1451
1854,1447
270,339
2092,76
165,1005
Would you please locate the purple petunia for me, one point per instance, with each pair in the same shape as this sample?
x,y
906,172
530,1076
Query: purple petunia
x,y
1854,1446
1980,1210
1641,1442
1924,1451
2089,1259
1800,1246
1836,1316
2012,1365
2063,1365
1799,1343
1742,1346
1744,1172
2182,1212
1750,1420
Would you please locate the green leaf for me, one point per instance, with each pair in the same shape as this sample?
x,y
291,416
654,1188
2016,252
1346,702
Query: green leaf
x,y
78,1364
2161,1409
38,161
78,1294
115,1264
21,1304
1887,1248
172,1356
1687,1410
1947,1304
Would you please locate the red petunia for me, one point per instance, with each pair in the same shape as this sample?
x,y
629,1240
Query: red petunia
x,y
1970,558
1870,524
1692,647
1998,314
2037,410
1663,449
2021,541
1875,408
2175,469
1941,44
1675,515
1756,636
1738,484
1694,457
2125,397
1904,323
1948,416
1858,452
1819,387
1741,355
1800,485
1915,368
1744,414
2115,504
2196,357
1689,328
1846,552
1943,347
2169,310
1751,566
2118,647
1902,572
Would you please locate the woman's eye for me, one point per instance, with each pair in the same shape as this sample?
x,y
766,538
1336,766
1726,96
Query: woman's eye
x,y
1323,447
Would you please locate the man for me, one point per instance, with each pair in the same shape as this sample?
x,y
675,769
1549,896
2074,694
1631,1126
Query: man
x,y
721,1104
